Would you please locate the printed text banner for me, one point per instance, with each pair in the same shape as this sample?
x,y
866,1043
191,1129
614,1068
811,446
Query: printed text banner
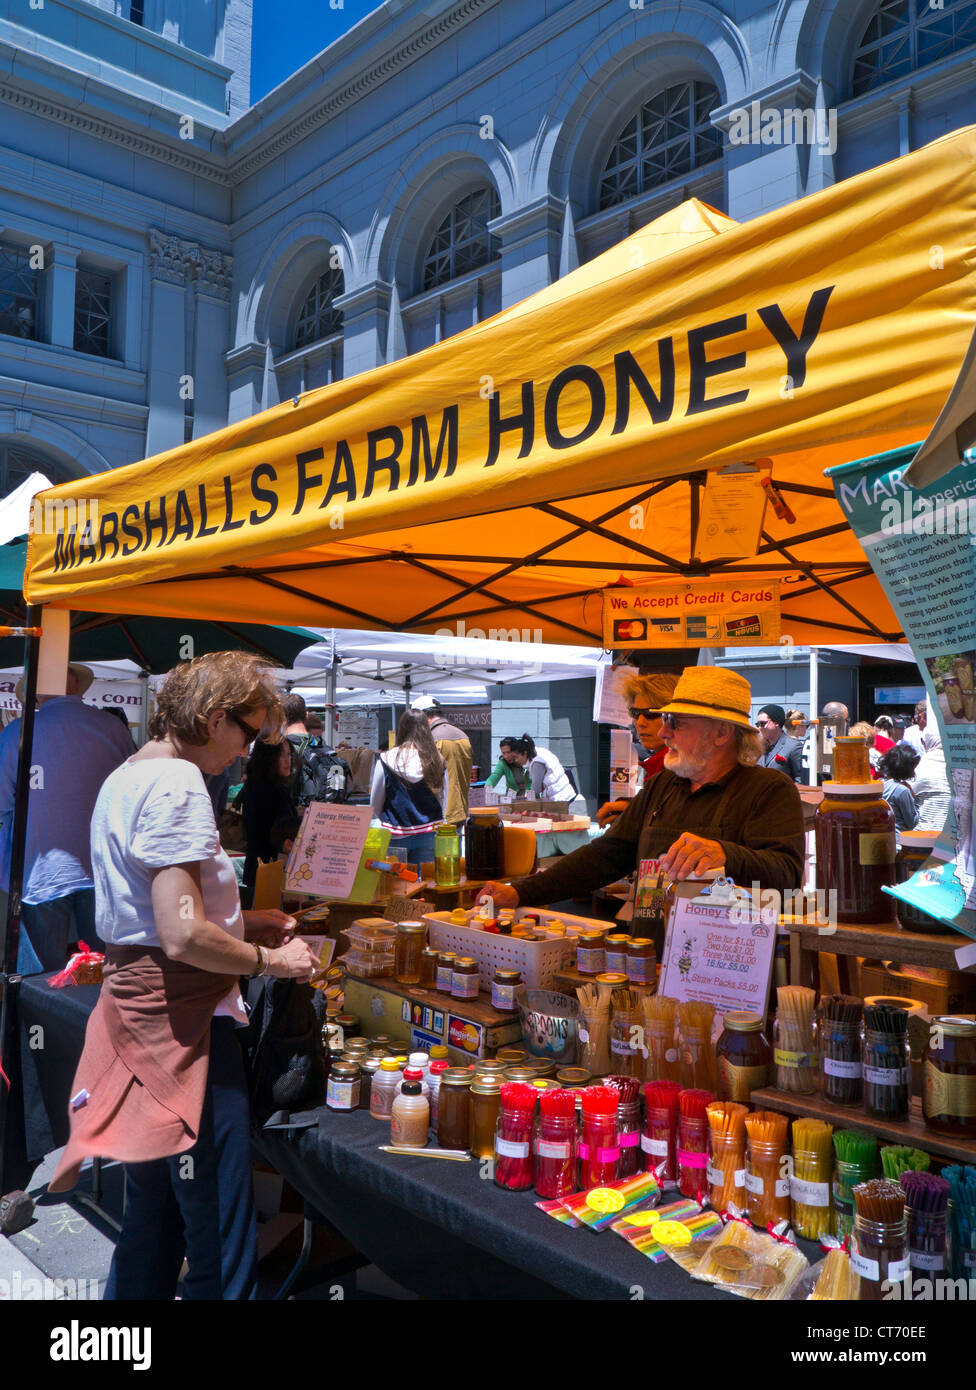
x,y
695,344
692,615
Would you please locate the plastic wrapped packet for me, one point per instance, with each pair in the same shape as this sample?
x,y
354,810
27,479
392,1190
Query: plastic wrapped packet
x,y
639,1228
752,1264
682,1246
830,1279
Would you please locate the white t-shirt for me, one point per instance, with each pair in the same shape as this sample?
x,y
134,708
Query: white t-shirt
x,y
150,814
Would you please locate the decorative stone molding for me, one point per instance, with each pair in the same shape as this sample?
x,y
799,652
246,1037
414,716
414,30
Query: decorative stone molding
x,y
178,262
798,91
72,118
372,77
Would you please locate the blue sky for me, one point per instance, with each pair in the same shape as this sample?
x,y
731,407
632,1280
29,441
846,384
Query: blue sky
x,y
289,32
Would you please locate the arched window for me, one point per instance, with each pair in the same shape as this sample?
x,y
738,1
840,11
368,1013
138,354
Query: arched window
x,y
903,35
18,463
462,242
318,317
671,135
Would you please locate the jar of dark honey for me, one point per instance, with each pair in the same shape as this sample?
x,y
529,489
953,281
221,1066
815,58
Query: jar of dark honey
x,y
744,1056
855,834
454,1109
949,1077
914,851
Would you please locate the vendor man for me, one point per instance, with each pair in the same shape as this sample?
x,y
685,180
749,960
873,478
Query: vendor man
x,y
709,806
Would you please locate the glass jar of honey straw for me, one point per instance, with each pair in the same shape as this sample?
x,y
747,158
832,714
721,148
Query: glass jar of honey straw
x,y
851,761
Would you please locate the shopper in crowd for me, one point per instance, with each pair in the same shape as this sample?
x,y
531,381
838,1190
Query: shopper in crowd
x,y
161,1079
75,749
833,709
868,733
781,750
507,770
317,771
410,788
884,734
266,800
710,807
646,695
914,732
548,779
930,785
896,767
455,748
797,724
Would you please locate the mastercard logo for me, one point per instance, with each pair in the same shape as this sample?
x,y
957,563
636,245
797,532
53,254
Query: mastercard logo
x,y
464,1035
630,629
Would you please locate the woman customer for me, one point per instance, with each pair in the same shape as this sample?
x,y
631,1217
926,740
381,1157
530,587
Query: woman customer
x,y
930,785
897,767
160,1084
516,778
645,694
409,789
549,781
265,800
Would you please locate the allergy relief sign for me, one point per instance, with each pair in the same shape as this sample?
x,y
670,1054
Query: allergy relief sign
x,y
710,614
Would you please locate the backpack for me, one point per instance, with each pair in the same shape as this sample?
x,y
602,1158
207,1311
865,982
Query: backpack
x,y
318,774
283,1047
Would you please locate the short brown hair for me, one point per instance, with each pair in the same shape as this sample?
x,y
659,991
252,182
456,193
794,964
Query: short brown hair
x,y
194,690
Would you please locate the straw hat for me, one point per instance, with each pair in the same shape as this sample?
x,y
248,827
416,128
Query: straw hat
x,y
711,692
83,674
651,690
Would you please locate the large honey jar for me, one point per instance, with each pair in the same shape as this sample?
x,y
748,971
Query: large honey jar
x,y
855,834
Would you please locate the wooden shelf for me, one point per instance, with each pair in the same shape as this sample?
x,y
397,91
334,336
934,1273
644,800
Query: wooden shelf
x,y
891,943
912,1131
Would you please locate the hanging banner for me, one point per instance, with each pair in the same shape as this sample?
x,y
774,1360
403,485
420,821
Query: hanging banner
x,y
711,614
920,544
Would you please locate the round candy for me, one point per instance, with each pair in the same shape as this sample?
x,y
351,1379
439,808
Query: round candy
x,y
672,1233
640,1218
604,1199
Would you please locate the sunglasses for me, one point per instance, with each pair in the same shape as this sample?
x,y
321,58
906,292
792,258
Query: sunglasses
x,y
675,721
642,712
244,727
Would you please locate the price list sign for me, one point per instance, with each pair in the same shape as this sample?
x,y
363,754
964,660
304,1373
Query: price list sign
x,y
720,953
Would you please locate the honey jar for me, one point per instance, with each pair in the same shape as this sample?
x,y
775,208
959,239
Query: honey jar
x,y
855,835
949,1077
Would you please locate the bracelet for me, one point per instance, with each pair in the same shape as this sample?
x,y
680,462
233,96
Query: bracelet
x,y
260,962
267,961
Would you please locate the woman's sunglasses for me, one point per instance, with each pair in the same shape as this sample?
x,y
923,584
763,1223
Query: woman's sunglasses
x,y
244,727
642,712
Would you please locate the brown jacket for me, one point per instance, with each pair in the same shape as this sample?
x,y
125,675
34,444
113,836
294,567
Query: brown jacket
x,y
145,1061
455,748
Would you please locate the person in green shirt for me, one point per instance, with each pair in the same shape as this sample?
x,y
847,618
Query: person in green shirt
x,y
516,778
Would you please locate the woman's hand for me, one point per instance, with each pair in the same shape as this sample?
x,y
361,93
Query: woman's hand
x,y
268,926
294,961
502,894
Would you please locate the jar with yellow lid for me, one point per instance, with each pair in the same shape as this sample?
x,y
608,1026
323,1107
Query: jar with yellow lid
x,y
445,971
641,961
526,1074
465,978
454,1109
590,951
511,1056
486,1102
410,940
851,762
504,983
855,836
949,1077
616,953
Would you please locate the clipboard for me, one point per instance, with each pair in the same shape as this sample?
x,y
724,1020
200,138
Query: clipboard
x,y
720,947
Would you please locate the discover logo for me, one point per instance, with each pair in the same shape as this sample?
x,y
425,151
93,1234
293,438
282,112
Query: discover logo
x,y
77,1343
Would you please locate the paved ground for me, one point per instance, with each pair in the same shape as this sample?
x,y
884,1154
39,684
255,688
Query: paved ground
x,y
71,1242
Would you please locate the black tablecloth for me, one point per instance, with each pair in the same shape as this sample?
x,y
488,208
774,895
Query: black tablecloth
x,y
441,1229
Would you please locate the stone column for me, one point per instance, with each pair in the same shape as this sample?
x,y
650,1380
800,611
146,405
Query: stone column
x,y
365,313
211,294
531,240
62,271
167,340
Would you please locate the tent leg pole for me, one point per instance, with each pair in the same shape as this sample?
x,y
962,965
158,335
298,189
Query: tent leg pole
x,y
813,769
330,709
11,929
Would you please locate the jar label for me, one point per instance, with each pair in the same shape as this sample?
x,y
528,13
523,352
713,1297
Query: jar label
x,y
887,1076
629,1139
867,1269
754,1184
590,960
875,850
512,1148
783,1058
740,1177
715,1176
502,996
737,1083
781,1187
339,1093
444,977
923,1259
617,962
832,1067
898,1270
943,1094
688,1159
658,1147
810,1194
464,986
639,969
622,1047
969,1259
549,1148
583,1034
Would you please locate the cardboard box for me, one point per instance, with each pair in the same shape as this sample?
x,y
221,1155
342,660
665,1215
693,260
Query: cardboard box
x,y
470,1028
941,991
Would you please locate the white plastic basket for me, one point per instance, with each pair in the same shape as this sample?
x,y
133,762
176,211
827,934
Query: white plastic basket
x,y
537,960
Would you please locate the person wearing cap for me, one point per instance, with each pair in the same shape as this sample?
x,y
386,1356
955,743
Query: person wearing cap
x,y
646,694
75,748
710,807
455,748
782,751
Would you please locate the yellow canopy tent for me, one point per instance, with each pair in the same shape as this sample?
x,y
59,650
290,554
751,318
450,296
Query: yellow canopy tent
x,y
505,476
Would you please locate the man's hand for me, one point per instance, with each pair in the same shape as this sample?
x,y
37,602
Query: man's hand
x,y
269,926
502,894
609,811
690,856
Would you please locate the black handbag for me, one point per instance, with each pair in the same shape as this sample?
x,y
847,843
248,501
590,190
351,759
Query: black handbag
x,y
284,1048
